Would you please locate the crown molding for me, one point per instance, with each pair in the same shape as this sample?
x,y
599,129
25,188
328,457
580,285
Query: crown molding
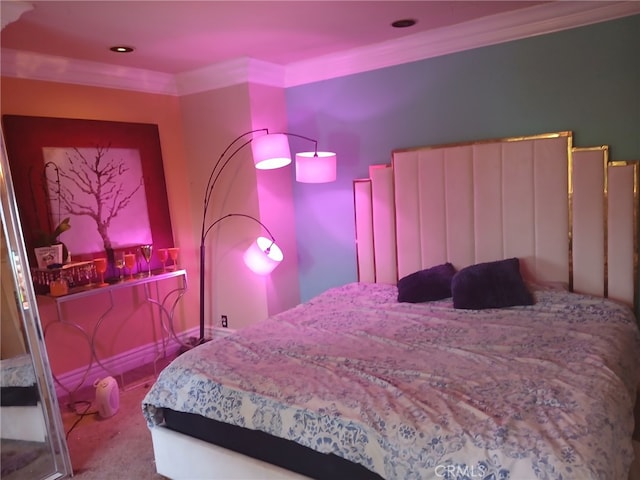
x,y
506,27
510,26
32,66
232,72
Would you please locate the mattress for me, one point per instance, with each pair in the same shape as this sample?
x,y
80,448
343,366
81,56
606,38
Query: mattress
x,y
425,390
262,446
21,415
18,382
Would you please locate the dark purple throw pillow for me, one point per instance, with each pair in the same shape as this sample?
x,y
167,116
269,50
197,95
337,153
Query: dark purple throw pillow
x,y
426,285
490,285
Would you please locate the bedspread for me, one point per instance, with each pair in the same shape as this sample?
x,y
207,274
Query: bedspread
x,y
18,382
17,372
418,391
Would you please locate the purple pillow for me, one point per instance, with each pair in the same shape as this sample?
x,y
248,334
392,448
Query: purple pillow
x,y
426,285
490,285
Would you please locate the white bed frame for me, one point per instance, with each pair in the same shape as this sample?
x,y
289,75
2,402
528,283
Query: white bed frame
x,y
23,423
181,457
568,213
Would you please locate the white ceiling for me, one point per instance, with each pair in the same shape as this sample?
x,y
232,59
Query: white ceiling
x,y
179,36
179,39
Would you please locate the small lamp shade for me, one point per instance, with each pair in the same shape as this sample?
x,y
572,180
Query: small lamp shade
x,y
263,256
316,168
271,151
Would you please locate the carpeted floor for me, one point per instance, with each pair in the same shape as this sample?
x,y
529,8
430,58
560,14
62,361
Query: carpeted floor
x,y
24,460
115,448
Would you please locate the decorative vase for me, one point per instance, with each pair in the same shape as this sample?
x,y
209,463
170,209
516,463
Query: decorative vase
x,y
112,274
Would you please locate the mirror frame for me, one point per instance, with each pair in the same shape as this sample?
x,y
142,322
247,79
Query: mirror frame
x,y
28,309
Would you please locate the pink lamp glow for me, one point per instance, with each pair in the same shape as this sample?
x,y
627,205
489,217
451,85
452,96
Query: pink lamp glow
x,y
316,167
271,151
263,256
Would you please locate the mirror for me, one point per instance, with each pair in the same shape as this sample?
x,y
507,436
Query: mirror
x,y
32,439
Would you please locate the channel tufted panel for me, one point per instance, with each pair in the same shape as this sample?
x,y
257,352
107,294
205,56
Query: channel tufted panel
x,y
383,223
589,220
418,183
568,213
486,201
375,226
622,205
364,230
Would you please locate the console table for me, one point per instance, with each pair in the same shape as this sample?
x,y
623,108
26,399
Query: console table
x,y
166,307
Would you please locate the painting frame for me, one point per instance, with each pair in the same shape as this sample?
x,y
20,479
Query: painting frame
x,y
26,136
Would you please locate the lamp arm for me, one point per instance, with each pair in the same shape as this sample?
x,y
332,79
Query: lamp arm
x,y
239,137
219,166
273,240
215,180
211,181
203,255
315,142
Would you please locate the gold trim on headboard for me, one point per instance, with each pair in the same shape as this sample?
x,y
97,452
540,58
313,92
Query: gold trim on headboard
x,y
570,211
605,193
408,164
538,136
355,209
636,214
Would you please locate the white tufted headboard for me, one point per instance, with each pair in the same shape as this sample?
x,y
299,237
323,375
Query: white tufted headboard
x,y
568,213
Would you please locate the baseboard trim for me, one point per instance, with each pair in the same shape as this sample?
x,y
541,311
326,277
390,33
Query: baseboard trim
x,y
119,364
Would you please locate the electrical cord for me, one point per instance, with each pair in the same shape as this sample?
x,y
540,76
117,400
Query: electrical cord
x,y
85,413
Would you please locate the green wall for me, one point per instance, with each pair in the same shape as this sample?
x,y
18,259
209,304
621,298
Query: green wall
x,y
586,80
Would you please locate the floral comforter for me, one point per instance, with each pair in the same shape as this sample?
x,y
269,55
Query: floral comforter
x,y
17,372
424,391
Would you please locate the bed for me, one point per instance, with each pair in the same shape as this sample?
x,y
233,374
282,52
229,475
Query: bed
x,y
357,384
21,415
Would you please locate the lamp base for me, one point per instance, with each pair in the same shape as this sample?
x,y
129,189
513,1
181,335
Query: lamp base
x,y
191,343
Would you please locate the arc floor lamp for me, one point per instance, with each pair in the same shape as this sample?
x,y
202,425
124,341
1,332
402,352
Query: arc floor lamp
x,y
270,151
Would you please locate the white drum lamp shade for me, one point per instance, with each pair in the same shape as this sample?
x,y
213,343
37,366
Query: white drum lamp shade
x,y
263,256
271,151
312,167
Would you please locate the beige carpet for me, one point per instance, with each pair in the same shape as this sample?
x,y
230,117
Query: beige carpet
x,y
20,460
118,447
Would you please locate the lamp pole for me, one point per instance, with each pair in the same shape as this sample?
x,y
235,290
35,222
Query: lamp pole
x,y
275,157
213,178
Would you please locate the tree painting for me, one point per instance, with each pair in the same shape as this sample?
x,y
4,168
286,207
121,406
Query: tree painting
x,y
101,189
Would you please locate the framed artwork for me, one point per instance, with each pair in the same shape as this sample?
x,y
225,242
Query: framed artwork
x,y
104,179
46,256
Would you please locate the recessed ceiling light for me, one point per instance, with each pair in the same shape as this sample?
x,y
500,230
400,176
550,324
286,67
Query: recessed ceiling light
x,y
121,49
404,23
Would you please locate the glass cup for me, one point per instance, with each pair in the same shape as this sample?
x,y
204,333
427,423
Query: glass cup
x,y
101,267
146,251
163,256
130,262
173,254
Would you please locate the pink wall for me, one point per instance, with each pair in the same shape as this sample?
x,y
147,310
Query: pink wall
x,y
131,323
211,120
275,191
194,130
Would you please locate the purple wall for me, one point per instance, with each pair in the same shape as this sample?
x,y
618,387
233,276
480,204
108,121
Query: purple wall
x,y
585,80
